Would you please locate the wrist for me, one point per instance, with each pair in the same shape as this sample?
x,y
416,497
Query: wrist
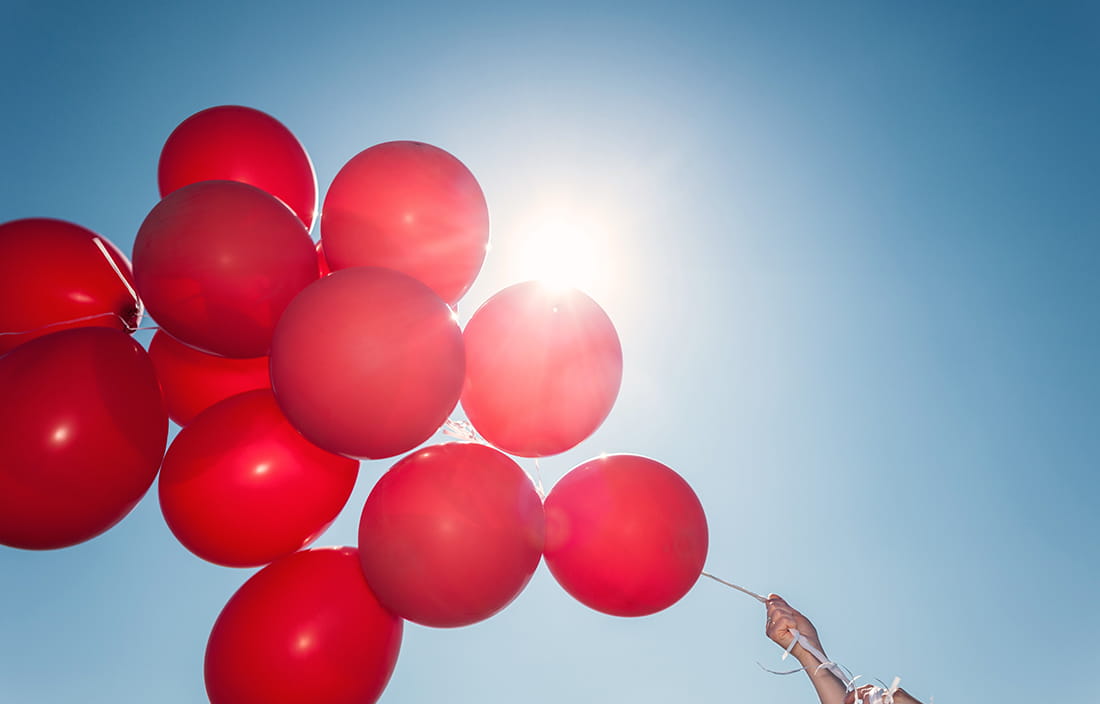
x,y
806,658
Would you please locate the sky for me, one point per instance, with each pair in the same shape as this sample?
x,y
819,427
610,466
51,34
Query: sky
x,y
851,252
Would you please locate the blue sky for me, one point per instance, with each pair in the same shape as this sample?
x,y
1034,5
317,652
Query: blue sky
x,y
851,253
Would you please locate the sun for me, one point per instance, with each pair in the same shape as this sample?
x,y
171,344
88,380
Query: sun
x,y
565,247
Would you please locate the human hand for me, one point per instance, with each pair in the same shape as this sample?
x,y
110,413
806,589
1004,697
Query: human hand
x,y
782,617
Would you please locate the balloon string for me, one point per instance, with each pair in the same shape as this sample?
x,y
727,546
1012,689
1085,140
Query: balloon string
x,y
125,282
73,320
538,481
754,595
876,695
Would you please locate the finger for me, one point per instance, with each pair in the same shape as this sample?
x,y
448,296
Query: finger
x,y
781,613
780,630
773,628
778,605
781,637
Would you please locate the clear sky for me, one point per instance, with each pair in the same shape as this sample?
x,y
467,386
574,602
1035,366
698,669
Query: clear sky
x,y
851,250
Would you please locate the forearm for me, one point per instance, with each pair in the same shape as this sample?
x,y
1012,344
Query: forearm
x,y
830,690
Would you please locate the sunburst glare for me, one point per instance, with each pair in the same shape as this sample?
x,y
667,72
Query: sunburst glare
x,y
562,246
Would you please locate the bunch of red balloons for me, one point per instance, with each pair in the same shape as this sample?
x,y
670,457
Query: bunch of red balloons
x,y
285,363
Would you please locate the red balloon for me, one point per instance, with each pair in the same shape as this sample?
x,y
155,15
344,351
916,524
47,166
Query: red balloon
x,y
543,368
625,535
216,263
193,381
322,264
304,630
451,534
55,275
234,143
412,207
241,487
82,433
367,362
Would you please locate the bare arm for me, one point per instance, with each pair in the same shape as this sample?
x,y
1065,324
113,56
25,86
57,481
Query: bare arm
x,y
782,617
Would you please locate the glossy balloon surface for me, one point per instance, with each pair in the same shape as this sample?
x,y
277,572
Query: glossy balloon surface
x,y
543,369
82,433
304,630
323,269
236,143
367,362
54,276
241,487
193,380
411,207
216,262
451,534
625,535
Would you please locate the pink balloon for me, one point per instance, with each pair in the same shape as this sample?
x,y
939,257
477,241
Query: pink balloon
x,y
625,535
411,207
543,369
241,487
451,534
367,362
216,262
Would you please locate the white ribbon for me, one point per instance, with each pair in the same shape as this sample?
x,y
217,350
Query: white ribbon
x,y
121,277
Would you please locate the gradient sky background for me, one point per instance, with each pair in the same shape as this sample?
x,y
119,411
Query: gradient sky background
x,y
851,252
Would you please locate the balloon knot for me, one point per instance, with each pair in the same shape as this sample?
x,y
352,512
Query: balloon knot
x,y
461,429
